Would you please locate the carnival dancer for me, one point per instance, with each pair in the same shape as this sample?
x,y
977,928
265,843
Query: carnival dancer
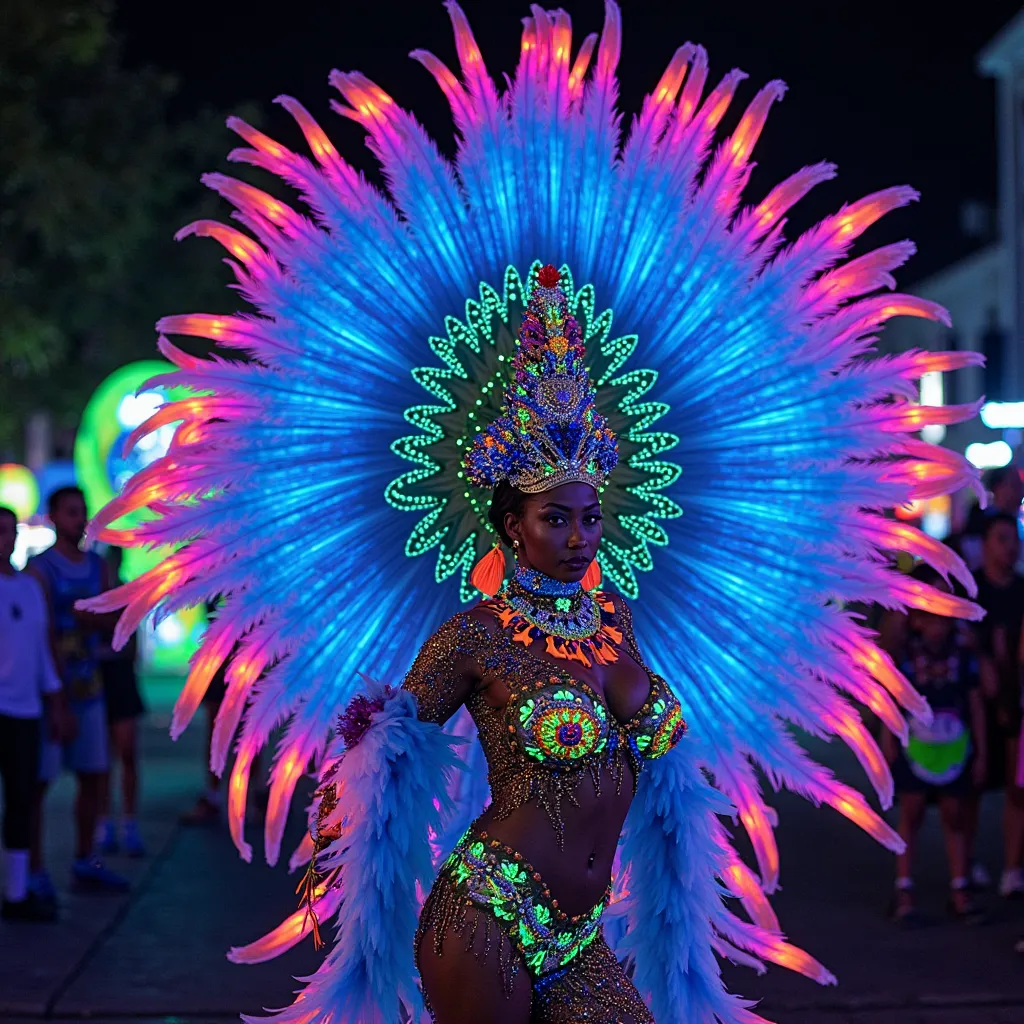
x,y
585,344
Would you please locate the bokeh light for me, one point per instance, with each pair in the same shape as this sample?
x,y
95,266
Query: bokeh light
x,y
19,490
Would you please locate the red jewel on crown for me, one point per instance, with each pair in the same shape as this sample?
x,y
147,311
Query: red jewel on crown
x,y
548,277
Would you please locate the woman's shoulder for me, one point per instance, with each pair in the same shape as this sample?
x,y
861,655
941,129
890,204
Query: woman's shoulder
x,y
616,604
481,617
470,624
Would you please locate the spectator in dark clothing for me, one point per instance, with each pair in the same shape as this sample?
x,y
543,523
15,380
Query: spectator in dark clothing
x,y
1001,594
944,759
67,575
1007,492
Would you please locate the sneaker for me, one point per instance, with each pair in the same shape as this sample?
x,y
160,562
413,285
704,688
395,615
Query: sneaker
x,y
980,878
89,873
106,839
40,887
31,908
133,844
1011,884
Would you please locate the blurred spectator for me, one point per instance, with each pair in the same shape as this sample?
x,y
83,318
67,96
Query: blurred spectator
x,y
945,759
29,684
124,707
1001,594
1006,492
68,575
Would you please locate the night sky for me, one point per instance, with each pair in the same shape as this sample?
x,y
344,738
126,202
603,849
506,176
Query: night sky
x,y
888,91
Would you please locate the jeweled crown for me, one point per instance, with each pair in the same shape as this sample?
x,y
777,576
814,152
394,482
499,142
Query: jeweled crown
x,y
550,431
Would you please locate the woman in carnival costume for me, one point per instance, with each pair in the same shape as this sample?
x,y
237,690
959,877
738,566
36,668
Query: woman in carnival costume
x,y
683,407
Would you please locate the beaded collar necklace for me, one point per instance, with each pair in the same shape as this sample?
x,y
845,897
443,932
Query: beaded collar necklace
x,y
573,624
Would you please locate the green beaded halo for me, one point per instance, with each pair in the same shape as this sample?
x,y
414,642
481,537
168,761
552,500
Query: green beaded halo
x,y
475,354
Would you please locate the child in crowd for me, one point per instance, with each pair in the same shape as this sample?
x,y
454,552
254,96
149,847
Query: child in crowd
x,y
945,760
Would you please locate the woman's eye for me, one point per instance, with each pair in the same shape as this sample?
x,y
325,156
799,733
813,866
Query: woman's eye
x,y
593,519
556,520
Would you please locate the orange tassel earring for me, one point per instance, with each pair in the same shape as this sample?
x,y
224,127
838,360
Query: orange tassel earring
x,y
592,579
489,573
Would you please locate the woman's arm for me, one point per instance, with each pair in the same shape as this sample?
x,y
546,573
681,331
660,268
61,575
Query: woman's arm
x,y
448,668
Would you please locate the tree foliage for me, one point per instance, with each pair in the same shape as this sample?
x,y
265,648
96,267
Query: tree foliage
x,y
95,177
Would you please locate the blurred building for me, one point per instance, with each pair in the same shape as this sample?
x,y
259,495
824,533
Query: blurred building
x,y
984,292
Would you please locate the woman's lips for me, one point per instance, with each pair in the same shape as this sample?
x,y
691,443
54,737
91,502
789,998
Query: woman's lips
x,y
577,563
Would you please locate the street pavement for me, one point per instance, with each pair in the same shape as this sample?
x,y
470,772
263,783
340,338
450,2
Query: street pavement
x,y
156,955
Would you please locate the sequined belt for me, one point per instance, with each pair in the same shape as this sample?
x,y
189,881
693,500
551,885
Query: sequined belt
x,y
487,873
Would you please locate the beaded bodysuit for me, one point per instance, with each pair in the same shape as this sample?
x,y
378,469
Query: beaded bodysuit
x,y
554,731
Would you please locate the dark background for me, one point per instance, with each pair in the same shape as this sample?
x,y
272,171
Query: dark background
x,y
888,91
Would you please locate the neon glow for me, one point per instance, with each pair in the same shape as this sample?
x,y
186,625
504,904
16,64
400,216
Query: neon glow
x,y
29,541
112,446
18,490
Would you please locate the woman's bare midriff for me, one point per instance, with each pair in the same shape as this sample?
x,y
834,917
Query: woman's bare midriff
x,y
578,873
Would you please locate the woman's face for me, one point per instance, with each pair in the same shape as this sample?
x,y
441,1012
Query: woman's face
x,y
559,531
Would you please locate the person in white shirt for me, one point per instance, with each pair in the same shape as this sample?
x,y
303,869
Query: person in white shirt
x,y
30,694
